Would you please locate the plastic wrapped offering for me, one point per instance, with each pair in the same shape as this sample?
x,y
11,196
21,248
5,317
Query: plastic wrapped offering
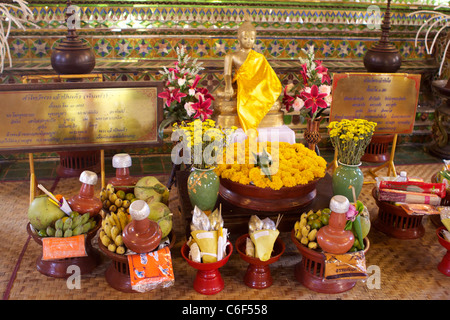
x,y
263,234
208,236
445,216
415,186
408,197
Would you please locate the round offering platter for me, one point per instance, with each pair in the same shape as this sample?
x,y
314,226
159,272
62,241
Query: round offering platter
x,y
395,222
118,274
58,268
267,199
311,269
258,274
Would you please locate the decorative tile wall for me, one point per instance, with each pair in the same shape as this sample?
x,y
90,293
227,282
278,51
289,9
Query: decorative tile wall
x,y
133,40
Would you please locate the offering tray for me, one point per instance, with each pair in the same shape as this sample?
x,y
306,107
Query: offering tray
x,y
208,280
258,274
395,222
58,268
118,274
267,199
311,269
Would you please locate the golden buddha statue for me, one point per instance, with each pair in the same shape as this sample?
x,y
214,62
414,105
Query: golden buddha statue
x,y
250,99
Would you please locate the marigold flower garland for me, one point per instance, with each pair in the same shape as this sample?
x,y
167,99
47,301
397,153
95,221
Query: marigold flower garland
x,y
295,165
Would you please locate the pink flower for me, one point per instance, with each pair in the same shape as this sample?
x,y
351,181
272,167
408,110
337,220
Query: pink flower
x,y
202,108
314,99
323,72
304,73
287,99
196,81
351,213
298,104
205,93
325,89
189,109
177,95
170,96
166,95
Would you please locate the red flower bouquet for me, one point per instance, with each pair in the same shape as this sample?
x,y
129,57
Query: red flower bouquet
x,y
183,98
315,94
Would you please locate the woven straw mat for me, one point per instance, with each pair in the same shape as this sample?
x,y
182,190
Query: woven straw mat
x,y
408,267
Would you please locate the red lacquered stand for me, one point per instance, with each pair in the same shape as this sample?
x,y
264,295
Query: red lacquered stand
x,y
395,222
118,274
444,265
311,269
435,218
258,274
73,163
208,279
58,268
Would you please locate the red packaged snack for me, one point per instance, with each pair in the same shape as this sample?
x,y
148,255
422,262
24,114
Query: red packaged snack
x,y
415,186
408,197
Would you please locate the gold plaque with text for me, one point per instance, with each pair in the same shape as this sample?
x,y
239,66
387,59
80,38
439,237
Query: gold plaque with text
x,y
389,99
119,116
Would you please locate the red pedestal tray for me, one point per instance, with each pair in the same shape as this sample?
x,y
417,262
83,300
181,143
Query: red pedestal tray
x,y
311,269
267,199
118,274
436,218
258,274
58,268
395,222
444,265
208,280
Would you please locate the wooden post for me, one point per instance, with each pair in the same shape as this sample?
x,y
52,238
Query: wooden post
x,y
102,168
389,164
333,163
33,182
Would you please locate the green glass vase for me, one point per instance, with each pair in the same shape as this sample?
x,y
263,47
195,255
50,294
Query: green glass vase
x,y
203,188
345,176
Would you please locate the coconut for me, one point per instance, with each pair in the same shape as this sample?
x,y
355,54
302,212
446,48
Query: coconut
x,y
160,213
166,225
158,210
42,213
143,190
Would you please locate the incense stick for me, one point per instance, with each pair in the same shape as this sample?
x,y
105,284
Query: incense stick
x,y
40,186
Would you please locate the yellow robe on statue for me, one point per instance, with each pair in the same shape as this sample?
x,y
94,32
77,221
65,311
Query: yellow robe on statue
x,y
258,89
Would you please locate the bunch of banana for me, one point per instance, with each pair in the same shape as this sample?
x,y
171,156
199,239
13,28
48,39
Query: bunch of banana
x,y
305,233
74,225
111,232
115,201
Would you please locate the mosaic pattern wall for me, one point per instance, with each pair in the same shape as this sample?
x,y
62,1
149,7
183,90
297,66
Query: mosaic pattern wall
x,y
134,39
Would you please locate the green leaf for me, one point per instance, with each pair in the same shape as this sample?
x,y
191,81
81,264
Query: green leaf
x,y
359,206
172,118
348,225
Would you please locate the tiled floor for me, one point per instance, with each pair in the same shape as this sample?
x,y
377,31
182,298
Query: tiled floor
x,y
162,164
